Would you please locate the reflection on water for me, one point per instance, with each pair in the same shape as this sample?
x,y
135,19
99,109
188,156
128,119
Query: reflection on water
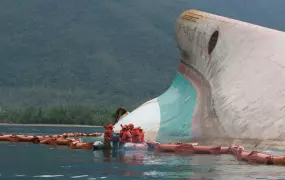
x,y
35,161
168,165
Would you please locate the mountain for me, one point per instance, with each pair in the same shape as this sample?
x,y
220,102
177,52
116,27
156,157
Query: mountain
x,y
108,53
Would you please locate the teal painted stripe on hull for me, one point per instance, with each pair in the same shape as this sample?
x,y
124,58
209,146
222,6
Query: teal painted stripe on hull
x,y
177,107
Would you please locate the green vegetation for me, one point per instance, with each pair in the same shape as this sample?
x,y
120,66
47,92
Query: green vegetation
x,y
102,54
84,52
90,53
75,114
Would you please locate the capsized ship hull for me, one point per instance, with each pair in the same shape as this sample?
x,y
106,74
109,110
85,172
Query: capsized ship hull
x,y
230,84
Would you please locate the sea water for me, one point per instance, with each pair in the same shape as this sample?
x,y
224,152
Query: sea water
x,y
20,161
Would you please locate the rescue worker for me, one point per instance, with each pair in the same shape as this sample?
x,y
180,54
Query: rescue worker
x,y
141,134
121,131
127,137
108,135
131,127
136,135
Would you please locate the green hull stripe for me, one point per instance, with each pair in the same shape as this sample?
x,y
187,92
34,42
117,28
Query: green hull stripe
x,y
177,107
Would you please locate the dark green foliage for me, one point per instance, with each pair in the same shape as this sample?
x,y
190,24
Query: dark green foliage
x,y
102,53
75,114
90,53
84,52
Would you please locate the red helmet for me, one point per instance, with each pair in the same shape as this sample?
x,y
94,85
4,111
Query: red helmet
x,y
126,128
110,126
131,125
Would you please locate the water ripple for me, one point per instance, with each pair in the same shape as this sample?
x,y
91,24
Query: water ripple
x,y
48,176
20,175
80,176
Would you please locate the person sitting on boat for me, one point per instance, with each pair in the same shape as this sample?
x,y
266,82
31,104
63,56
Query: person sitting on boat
x,y
108,135
127,137
136,136
141,134
131,127
122,131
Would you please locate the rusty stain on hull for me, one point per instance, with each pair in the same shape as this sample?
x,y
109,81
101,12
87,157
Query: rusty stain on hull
x,y
191,15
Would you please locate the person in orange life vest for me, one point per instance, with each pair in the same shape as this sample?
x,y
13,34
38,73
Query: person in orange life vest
x,y
124,128
127,137
131,127
108,134
136,135
141,134
122,131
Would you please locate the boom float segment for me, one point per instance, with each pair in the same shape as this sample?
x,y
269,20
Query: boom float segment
x,y
185,148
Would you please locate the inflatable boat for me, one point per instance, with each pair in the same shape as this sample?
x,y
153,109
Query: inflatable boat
x,y
98,145
134,146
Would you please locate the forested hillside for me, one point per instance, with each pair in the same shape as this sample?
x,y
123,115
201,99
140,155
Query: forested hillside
x,y
58,52
97,53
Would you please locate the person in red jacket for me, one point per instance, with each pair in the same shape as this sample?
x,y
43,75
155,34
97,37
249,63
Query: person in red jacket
x,y
122,131
131,127
108,135
136,136
141,134
127,137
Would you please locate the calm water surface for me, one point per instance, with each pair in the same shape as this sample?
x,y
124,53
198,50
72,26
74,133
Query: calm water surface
x,y
34,161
